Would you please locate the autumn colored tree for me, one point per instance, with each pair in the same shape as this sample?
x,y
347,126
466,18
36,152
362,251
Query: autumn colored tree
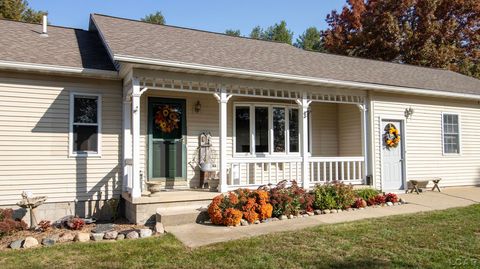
x,y
19,10
433,33
155,18
311,39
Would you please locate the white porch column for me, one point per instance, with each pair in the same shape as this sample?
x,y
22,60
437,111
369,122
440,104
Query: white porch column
x,y
364,122
222,99
136,184
127,143
304,103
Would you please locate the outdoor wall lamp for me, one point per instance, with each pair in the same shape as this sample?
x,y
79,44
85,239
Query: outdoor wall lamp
x,y
198,107
409,112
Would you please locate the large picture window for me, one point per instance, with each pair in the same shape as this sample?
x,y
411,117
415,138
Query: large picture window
x,y
451,133
85,124
272,129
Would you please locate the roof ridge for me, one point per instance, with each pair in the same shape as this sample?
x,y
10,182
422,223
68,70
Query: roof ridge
x,y
192,29
49,25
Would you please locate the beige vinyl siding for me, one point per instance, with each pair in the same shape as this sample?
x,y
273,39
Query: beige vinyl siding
x,y
349,131
34,140
423,137
324,122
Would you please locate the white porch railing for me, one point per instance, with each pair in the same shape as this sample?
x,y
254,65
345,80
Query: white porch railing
x,y
254,172
327,169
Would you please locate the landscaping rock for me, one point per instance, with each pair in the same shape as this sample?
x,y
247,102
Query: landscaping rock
x,y
48,241
349,209
97,236
283,217
243,222
326,211
17,244
120,236
257,222
310,213
110,235
66,237
103,228
132,235
275,219
361,208
159,229
82,237
317,212
290,216
389,203
30,242
265,221
145,233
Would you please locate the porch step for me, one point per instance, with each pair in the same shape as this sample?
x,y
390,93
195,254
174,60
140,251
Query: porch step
x,y
185,214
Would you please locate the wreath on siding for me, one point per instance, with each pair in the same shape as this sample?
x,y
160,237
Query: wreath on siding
x,y
167,118
391,136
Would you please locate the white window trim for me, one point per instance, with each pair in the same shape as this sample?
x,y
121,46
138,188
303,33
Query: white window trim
x,y
71,152
270,152
459,135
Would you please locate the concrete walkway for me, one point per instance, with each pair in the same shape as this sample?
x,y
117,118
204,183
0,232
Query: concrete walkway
x,y
196,235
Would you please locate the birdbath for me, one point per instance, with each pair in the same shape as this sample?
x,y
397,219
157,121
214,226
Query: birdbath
x,y
30,203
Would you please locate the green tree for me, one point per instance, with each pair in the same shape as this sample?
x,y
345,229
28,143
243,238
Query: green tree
x,y
277,32
257,32
232,32
434,33
311,39
19,10
155,18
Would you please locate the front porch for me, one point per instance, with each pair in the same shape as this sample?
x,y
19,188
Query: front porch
x,y
260,133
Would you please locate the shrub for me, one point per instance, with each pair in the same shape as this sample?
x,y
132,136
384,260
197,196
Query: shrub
x,y
288,200
251,205
360,203
8,225
391,197
366,193
44,225
335,195
232,217
75,223
377,200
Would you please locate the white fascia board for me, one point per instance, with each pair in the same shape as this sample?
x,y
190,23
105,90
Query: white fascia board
x,y
20,66
293,78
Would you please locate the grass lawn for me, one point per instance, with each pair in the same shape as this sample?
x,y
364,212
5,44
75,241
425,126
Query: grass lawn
x,y
441,239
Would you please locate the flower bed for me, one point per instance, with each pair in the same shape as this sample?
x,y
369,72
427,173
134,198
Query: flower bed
x,y
244,206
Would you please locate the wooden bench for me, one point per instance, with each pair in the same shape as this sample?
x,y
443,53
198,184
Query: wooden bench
x,y
414,184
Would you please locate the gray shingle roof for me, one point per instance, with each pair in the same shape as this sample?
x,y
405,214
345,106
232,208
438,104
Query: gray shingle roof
x,y
22,42
138,39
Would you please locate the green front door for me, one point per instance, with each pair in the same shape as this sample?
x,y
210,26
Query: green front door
x,y
166,132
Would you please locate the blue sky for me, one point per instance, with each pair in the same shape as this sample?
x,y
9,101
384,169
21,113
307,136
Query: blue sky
x,y
210,15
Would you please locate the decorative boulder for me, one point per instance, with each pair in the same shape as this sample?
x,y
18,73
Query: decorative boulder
x,y
120,236
66,237
97,236
30,242
145,233
132,235
111,235
17,244
82,237
283,217
48,241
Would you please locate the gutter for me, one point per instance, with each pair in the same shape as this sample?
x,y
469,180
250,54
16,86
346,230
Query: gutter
x,y
21,66
293,78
